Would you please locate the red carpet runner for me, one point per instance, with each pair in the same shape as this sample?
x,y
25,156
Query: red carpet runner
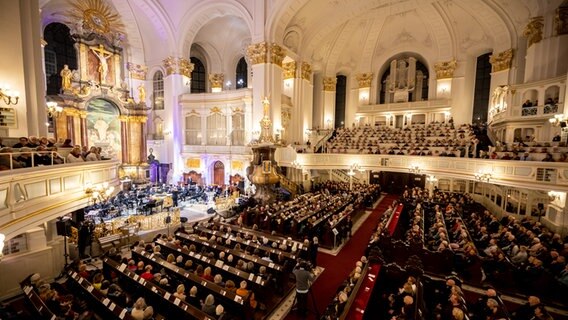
x,y
338,268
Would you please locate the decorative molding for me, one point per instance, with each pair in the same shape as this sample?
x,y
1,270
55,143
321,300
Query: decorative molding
x,y
138,119
264,52
329,83
561,20
445,69
192,113
277,54
95,16
257,52
289,70
306,71
364,79
137,71
238,110
72,112
216,80
171,65
123,118
502,60
185,67
216,110
533,30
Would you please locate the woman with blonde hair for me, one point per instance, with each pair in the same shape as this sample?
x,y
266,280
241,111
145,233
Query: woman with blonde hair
x,y
209,305
138,309
180,292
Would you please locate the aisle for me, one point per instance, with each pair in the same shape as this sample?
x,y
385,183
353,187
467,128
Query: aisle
x,y
337,268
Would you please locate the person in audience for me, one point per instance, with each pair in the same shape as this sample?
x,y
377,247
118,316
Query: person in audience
x,y
180,292
66,144
23,142
526,311
138,308
540,313
230,286
147,274
207,274
149,313
75,156
192,298
25,157
218,280
208,306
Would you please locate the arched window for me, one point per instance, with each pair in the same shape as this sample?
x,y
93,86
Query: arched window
x,y
242,74
59,51
482,88
158,91
238,134
197,76
193,130
216,130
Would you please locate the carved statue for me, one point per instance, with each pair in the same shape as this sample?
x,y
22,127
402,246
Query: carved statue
x,y
142,93
103,55
66,75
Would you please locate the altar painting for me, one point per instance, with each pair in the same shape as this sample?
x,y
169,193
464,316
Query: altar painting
x,y
103,128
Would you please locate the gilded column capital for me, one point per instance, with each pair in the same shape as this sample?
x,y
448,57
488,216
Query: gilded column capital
x,y
216,80
82,114
364,79
171,65
289,70
329,83
277,54
533,30
138,119
71,112
185,67
257,52
445,69
123,118
306,72
501,61
137,71
561,20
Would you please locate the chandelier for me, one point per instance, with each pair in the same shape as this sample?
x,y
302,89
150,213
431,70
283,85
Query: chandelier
x,y
9,96
483,176
53,110
415,169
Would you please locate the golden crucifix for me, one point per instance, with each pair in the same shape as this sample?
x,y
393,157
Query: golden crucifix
x,y
103,55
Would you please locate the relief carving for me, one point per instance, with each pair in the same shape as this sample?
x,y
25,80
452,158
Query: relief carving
x,y
171,65
445,69
257,52
277,54
185,67
306,71
289,70
501,61
533,30
216,80
364,79
137,71
329,83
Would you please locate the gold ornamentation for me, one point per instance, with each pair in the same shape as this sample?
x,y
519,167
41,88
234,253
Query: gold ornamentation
x,y
266,123
185,67
257,52
277,54
216,110
72,112
216,80
286,115
66,75
95,16
171,65
306,71
237,110
561,20
193,163
138,119
289,71
83,114
192,113
137,71
501,61
123,118
364,79
533,30
237,165
329,83
445,69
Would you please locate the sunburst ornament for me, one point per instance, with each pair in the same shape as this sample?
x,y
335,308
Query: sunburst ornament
x,y
96,16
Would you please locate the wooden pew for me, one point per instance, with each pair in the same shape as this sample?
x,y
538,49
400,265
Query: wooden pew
x,y
37,303
97,300
279,240
229,299
248,243
217,265
162,301
236,254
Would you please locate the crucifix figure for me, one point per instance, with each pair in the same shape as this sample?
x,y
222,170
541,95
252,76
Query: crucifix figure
x,y
103,55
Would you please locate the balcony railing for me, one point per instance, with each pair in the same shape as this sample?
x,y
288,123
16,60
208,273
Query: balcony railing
x,y
523,174
31,196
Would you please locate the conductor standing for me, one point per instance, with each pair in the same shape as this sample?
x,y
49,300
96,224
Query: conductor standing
x,y
304,279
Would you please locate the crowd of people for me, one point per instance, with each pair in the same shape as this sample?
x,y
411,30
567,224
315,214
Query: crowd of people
x,y
34,151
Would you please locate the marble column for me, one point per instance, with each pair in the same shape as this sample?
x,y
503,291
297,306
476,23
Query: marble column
x,y
329,84
124,138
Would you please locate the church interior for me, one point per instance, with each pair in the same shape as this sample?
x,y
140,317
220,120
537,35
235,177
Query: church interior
x,y
284,159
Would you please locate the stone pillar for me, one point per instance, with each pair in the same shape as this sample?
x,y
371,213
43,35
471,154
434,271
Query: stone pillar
x,y
500,75
306,106
83,125
329,84
361,96
178,73
448,87
68,114
124,138
266,59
